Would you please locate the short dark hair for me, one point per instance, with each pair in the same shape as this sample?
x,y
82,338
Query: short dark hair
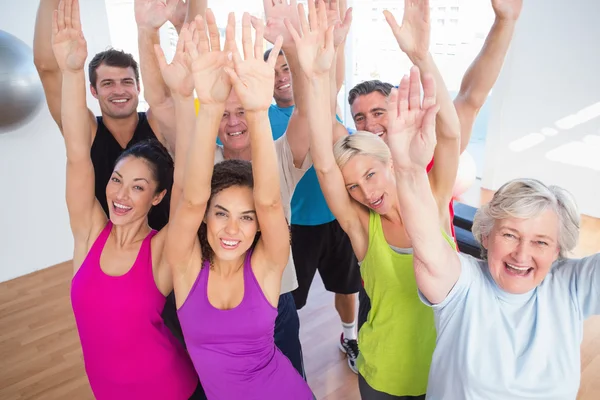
x,y
157,157
268,53
226,174
367,87
112,58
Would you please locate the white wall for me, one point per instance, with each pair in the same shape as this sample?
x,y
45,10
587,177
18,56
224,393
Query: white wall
x,y
35,230
545,113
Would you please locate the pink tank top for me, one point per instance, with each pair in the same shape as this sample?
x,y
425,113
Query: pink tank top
x,y
128,351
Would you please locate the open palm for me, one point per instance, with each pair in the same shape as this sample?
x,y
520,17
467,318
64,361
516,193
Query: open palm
x,y
411,130
253,78
207,60
178,74
275,15
414,34
68,43
153,13
315,47
341,26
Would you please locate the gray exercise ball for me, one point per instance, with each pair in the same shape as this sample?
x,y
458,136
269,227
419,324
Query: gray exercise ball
x,y
21,92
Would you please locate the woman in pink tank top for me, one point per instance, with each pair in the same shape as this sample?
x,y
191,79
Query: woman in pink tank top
x,y
228,241
120,280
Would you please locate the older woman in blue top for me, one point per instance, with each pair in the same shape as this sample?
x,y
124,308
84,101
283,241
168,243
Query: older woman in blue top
x,y
510,326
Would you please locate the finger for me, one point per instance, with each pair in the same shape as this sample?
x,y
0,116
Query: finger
x,y
292,30
322,15
392,106
347,18
428,125
272,60
258,41
391,21
429,91
76,17
424,9
403,93
160,56
313,18
61,15
414,96
68,12
55,23
213,30
183,37
268,6
236,58
329,39
203,45
304,27
333,5
247,37
230,44
343,6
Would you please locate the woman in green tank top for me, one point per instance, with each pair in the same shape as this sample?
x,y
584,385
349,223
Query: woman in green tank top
x,y
359,184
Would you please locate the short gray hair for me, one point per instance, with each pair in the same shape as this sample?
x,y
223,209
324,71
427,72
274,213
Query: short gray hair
x,y
526,198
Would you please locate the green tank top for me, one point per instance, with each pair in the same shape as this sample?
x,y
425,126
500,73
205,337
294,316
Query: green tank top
x,y
398,339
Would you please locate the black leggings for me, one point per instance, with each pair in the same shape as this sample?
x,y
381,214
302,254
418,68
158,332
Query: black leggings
x,y
198,393
368,393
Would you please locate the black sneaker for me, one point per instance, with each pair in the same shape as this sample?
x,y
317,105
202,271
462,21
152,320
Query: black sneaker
x,y
350,347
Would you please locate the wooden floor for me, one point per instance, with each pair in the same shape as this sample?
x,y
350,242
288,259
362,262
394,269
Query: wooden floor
x,y
40,355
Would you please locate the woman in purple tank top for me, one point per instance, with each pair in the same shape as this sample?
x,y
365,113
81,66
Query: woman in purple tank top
x,y
228,241
120,280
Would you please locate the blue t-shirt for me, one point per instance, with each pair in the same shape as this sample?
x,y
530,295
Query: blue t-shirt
x,y
497,346
308,204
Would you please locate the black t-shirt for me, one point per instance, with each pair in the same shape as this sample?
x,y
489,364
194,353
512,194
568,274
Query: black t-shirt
x,y
106,150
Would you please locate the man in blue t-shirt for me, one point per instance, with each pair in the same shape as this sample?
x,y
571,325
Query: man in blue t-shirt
x,y
318,241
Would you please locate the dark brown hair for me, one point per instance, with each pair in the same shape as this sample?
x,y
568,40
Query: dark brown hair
x,y
112,58
226,174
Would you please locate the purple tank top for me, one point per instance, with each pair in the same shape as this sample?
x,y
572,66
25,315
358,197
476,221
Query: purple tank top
x,y
233,350
128,351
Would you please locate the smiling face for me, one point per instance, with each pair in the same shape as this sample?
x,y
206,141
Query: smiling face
x,y
521,250
282,92
233,129
231,222
369,112
370,182
117,91
131,191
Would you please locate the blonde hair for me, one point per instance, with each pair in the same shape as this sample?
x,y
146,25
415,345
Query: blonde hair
x,y
527,198
360,143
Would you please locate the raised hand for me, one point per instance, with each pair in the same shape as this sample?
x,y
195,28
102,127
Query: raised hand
x,y
315,47
276,11
334,17
411,129
507,9
68,43
152,14
180,13
413,35
178,74
208,60
253,78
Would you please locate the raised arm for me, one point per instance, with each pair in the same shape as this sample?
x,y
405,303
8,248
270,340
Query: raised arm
x,y
412,140
150,15
178,77
316,53
212,87
70,51
345,14
296,133
483,72
413,38
45,62
340,32
186,12
252,80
